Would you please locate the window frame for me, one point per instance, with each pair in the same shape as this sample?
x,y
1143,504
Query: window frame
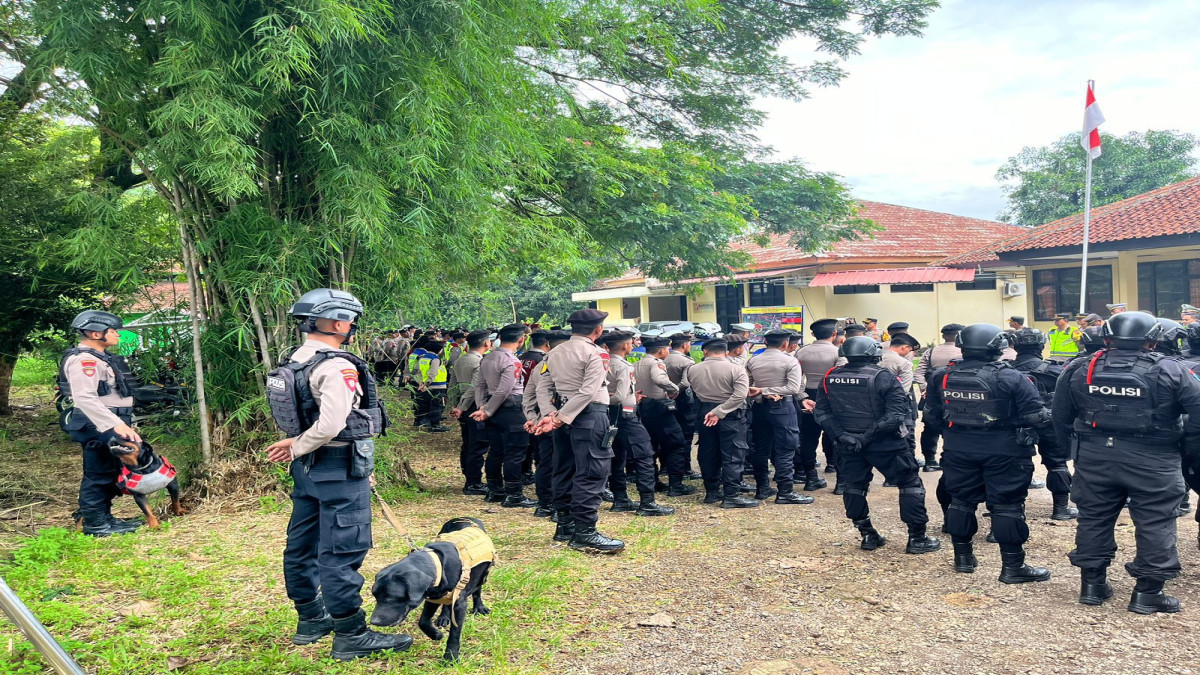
x,y
1068,300
774,294
856,289
911,288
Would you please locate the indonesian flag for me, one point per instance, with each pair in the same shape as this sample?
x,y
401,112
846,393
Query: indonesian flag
x,y
1092,119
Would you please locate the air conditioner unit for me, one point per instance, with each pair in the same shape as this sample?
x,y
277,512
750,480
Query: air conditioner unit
x,y
1013,288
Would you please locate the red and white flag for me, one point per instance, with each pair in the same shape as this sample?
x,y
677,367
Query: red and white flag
x,y
1092,119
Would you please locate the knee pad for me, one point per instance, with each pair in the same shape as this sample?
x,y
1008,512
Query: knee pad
x,y
1008,524
1016,511
963,506
915,492
859,490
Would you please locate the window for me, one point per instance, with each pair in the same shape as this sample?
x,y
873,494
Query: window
x,y
1057,290
851,290
1164,286
912,288
765,294
977,285
631,308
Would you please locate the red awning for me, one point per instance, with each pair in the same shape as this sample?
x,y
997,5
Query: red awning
x,y
909,275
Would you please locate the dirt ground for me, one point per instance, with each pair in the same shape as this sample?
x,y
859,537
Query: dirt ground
x,y
778,589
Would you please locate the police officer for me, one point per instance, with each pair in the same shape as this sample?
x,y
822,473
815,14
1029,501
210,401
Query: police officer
x,y
897,359
543,444
101,389
432,381
1063,339
865,408
499,389
1115,308
531,360
934,358
632,444
721,387
1015,322
1124,409
325,400
1188,314
775,383
474,446
577,372
815,360
989,410
1029,343
658,414
872,329
678,361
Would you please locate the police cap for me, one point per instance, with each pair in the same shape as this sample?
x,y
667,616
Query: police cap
x,y
823,328
735,340
586,317
680,339
1093,318
96,320
652,342
716,345
854,328
512,332
897,325
952,328
1017,319
862,348
1130,330
615,337
870,320
742,327
983,339
559,336
1064,315
777,336
1115,305
905,340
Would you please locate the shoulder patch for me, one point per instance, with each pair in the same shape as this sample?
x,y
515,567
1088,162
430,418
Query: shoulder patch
x,y
89,367
545,366
350,377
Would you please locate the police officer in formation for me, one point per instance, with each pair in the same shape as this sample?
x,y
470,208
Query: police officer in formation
x,y
1123,411
937,357
499,388
721,387
775,384
1029,345
815,360
678,361
543,444
474,447
325,400
658,413
100,388
988,412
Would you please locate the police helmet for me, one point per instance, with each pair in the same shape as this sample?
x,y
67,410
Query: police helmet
x,y
983,339
1131,330
1093,339
1193,334
862,349
327,303
96,320
1170,343
1029,340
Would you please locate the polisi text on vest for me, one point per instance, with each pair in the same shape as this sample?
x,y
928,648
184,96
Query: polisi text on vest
x,y
1108,390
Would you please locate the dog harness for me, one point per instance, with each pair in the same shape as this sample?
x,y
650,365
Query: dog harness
x,y
474,548
148,478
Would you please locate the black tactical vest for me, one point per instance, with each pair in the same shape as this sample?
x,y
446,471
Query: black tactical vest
x,y
295,408
126,383
1120,398
1043,374
971,398
854,396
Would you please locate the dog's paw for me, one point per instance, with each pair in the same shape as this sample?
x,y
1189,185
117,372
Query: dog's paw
x,y
434,634
449,657
481,610
443,621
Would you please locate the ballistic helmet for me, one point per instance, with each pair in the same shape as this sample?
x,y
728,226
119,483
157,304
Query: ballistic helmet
x,y
96,320
1029,341
1093,339
983,339
1171,341
327,303
1193,335
862,349
1131,330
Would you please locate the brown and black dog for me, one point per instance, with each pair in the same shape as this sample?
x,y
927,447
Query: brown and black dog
x,y
146,472
434,575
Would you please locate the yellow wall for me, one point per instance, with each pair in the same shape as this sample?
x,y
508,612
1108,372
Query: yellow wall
x,y
613,307
707,298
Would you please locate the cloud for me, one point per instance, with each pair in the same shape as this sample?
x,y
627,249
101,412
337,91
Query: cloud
x,y
926,122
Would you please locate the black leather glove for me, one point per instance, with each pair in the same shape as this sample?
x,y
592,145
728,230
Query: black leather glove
x,y
849,443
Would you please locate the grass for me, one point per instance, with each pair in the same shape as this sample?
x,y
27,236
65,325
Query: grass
x,y
32,371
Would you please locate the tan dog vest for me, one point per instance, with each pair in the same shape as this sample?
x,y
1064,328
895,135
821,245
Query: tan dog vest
x,y
474,548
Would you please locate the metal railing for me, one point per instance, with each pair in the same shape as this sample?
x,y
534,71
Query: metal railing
x,y
36,633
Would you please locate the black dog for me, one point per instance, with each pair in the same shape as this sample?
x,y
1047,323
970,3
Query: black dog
x,y
145,472
434,575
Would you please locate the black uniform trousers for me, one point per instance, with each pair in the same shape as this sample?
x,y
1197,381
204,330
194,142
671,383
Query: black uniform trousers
x,y
722,452
776,439
898,466
98,487
593,463
685,415
563,473
810,437
507,443
329,533
384,370
930,433
474,448
1058,476
667,435
1152,482
632,448
431,405
999,480
543,447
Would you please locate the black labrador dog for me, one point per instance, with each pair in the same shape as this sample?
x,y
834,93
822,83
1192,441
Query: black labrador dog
x,y
434,576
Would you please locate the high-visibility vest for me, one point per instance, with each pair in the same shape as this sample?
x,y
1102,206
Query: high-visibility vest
x,y
425,361
1062,345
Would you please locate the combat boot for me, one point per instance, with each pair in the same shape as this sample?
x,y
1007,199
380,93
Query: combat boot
x,y
871,539
839,489
762,494
543,511
931,465
813,480
964,557
1063,509
100,524
314,622
622,503
588,539
125,525
745,487
919,542
713,496
650,508
678,489
606,495
495,494
1036,483
475,489
1094,588
1185,506
352,639
1015,571
565,529
1148,598
738,502
793,497
518,501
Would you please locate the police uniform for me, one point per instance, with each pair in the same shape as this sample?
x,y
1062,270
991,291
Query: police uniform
x,y
867,410
988,411
777,431
474,447
531,360
431,403
1044,375
721,387
658,410
1064,342
678,363
499,390
1123,408
562,474
543,444
815,360
935,358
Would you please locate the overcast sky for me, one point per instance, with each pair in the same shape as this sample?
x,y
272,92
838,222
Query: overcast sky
x,y
926,121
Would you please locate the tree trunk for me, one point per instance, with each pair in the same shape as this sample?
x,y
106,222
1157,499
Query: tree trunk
x,y
7,363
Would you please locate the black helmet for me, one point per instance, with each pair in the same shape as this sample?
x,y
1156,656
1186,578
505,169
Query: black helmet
x,y
1170,342
1193,333
1093,339
96,320
862,348
982,339
1029,340
1131,330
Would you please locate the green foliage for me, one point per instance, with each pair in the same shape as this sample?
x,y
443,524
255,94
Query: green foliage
x,y
1047,183
34,371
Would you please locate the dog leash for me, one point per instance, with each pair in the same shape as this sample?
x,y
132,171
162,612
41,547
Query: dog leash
x,y
390,517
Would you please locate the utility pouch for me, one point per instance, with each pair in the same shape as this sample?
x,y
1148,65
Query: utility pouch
x,y
609,436
1026,436
669,404
362,458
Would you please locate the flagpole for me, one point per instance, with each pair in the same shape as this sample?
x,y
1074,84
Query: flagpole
x,y
1087,221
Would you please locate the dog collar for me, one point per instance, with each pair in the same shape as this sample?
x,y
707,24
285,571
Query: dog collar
x,y
437,566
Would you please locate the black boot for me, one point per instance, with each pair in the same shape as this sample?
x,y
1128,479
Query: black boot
x,y
100,524
745,487
650,508
314,623
931,465
495,494
793,497
762,494
606,495
693,475
1036,483
964,557
1063,509
1148,598
871,539
529,478
565,529
472,489
352,639
622,503
660,486
738,502
543,511
588,539
813,480
678,489
1185,506
124,524
839,489
919,542
1094,588
1015,571
518,501
713,496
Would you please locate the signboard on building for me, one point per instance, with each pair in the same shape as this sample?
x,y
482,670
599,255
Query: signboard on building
x,y
704,307
770,318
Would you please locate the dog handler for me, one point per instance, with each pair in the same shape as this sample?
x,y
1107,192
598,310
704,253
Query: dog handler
x,y
325,400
